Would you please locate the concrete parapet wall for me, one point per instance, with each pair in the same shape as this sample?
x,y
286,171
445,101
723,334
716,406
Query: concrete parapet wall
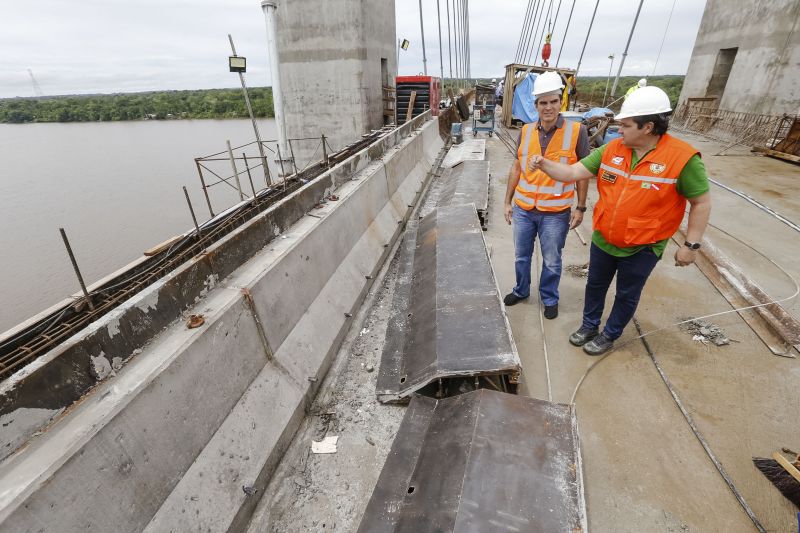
x,y
171,440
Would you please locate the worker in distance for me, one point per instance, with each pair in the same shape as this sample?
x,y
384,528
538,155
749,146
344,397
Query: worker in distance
x,y
645,179
536,205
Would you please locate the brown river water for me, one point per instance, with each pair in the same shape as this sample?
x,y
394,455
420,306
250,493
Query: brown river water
x,y
115,187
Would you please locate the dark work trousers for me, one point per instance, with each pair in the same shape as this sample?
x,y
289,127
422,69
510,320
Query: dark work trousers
x,y
632,273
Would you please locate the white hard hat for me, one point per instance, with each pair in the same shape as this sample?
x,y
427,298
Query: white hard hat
x,y
643,82
645,101
494,80
547,83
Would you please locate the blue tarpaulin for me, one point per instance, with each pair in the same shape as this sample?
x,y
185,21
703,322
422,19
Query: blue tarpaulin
x,y
597,112
523,107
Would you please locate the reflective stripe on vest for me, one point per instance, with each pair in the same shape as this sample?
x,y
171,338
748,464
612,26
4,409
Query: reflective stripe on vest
x,y
542,191
636,177
567,140
634,208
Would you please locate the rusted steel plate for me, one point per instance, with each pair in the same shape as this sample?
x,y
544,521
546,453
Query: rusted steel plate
x,y
482,461
467,183
447,321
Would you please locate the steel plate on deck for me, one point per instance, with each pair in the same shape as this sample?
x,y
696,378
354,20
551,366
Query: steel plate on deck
x,y
482,461
447,320
466,183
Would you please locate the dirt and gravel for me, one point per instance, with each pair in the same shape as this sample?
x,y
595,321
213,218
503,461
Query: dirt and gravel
x,y
329,492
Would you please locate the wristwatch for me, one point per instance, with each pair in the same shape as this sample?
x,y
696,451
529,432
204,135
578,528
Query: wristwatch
x,y
581,208
692,245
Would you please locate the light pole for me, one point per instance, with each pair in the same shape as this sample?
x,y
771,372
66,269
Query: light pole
x,y
610,68
239,64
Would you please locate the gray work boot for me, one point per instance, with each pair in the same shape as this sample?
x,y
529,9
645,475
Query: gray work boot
x,y
582,336
599,345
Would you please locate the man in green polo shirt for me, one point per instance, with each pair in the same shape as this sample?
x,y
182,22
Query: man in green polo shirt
x,y
645,180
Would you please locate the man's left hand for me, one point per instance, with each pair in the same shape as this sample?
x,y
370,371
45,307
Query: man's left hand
x,y
575,219
685,256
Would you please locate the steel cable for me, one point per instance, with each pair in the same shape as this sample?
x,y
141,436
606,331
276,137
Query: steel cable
x,y
522,30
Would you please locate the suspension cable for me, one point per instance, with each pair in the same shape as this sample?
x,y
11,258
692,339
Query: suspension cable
x,y
441,59
566,30
449,48
545,28
531,22
522,30
539,18
588,32
455,38
663,38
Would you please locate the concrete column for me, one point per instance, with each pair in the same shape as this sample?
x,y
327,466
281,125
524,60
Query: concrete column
x,y
285,159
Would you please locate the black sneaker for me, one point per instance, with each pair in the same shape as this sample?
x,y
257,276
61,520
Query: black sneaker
x,y
550,311
582,336
599,345
512,299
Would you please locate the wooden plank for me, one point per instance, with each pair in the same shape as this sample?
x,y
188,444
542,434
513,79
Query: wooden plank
x,y
163,246
719,271
411,105
779,155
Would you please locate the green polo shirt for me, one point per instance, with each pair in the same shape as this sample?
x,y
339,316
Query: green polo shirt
x,y
692,182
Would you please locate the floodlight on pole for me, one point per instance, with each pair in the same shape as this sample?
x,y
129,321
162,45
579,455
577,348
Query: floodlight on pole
x,y
238,64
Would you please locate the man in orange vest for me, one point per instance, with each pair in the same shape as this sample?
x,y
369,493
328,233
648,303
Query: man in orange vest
x,y
644,179
539,206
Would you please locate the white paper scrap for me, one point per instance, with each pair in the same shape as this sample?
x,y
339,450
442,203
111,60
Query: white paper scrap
x,y
326,445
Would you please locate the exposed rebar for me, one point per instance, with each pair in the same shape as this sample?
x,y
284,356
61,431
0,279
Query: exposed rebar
x,y
75,267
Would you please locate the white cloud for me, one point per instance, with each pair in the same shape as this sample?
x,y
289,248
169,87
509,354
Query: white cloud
x,y
115,45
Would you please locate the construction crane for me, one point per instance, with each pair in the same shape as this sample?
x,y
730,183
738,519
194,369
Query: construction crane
x,y
36,88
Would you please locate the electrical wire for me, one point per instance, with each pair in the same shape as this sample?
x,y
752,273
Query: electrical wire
x,y
699,436
712,315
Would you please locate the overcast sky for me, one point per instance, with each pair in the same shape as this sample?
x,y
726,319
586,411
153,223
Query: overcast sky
x,y
105,46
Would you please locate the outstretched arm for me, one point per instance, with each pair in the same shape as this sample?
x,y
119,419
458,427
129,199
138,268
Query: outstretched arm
x,y
560,171
699,212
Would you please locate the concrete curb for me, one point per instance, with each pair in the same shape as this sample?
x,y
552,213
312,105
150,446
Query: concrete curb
x,y
115,457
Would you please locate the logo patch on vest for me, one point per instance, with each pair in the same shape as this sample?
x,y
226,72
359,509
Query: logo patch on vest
x,y
608,176
617,160
657,168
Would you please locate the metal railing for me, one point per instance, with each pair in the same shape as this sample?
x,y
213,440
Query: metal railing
x,y
227,168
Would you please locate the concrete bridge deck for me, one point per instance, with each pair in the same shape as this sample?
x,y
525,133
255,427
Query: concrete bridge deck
x,y
644,470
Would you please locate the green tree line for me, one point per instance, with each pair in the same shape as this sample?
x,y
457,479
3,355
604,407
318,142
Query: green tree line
x,y
592,88
209,103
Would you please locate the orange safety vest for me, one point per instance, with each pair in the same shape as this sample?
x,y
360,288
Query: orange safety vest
x,y
641,206
535,188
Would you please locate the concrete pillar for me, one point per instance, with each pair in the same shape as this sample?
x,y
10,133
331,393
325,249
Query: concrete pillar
x,y
284,159
335,56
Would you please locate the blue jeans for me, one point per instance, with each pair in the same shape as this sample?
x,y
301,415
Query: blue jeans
x,y
632,273
552,230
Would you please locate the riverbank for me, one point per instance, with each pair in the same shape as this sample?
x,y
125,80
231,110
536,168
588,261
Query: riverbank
x,y
157,105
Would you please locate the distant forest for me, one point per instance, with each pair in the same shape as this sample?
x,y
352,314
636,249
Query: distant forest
x,y
226,103
209,103
592,88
